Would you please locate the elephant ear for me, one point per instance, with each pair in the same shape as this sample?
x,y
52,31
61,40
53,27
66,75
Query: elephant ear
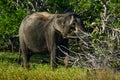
x,y
59,23
69,20
62,23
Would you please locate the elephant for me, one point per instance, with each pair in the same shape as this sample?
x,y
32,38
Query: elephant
x,y
42,32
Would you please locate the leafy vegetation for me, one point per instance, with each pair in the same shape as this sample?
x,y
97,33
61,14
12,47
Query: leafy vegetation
x,y
12,13
10,18
101,19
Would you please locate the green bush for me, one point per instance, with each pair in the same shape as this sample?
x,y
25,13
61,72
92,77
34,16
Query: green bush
x,y
12,13
10,18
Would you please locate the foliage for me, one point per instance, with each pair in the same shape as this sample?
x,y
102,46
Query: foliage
x,y
103,50
101,19
10,18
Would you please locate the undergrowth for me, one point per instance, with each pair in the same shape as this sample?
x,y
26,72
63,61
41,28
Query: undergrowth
x,y
10,70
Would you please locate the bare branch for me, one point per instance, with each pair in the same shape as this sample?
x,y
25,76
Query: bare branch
x,y
30,3
104,15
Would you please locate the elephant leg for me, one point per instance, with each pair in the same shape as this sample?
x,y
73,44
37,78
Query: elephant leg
x,y
25,54
26,59
53,59
51,44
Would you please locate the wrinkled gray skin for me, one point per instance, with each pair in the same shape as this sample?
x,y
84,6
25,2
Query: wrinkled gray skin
x,y
42,32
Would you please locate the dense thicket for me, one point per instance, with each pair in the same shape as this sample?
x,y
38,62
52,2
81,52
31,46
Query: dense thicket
x,y
101,18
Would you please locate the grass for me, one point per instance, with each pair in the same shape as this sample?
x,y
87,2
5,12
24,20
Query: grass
x,y
10,70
